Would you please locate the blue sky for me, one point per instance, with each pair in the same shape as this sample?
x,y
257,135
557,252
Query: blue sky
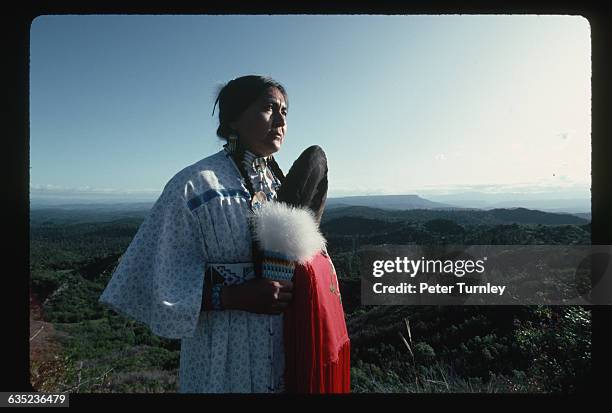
x,y
400,104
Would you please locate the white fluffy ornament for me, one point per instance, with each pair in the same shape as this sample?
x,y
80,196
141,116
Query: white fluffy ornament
x,y
287,230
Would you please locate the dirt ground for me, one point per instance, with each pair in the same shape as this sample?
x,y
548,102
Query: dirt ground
x,y
45,364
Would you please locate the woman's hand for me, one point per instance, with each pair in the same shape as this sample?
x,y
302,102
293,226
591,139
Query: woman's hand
x,y
258,295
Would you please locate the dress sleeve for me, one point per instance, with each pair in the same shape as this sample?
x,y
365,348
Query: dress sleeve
x,y
160,278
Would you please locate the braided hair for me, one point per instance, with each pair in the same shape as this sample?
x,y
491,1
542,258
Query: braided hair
x,y
233,99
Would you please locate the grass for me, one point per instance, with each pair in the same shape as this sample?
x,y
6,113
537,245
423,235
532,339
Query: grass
x,y
436,377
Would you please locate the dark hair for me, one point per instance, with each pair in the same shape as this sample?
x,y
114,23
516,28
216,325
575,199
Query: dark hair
x,y
237,95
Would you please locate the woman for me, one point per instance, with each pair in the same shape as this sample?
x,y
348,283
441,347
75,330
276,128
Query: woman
x,y
188,272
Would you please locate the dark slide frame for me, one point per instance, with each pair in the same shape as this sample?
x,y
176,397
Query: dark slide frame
x,y
16,30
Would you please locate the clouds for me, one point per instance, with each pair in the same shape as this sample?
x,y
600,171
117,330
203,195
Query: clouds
x,y
563,184
42,190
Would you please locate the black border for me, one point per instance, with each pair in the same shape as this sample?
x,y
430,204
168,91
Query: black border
x,y
15,33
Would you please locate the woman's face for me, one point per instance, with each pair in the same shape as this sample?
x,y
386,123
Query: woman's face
x,y
261,127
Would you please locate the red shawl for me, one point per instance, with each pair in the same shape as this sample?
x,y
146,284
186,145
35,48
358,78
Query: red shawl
x,y
317,346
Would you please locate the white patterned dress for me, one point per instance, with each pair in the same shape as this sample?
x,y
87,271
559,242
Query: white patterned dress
x,y
201,218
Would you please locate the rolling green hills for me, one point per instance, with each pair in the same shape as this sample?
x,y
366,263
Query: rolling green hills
x,y
393,348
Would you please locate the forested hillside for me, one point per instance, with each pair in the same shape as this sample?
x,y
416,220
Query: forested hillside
x,y
78,345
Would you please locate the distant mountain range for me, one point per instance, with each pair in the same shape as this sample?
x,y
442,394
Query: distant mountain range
x,y
468,200
460,216
82,213
386,207
572,202
387,202
63,216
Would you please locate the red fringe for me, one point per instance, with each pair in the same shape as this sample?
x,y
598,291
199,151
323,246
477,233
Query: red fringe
x,y
317,346
336,376
331,377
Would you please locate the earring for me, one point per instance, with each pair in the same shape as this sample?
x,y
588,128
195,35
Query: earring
x,y
232,143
